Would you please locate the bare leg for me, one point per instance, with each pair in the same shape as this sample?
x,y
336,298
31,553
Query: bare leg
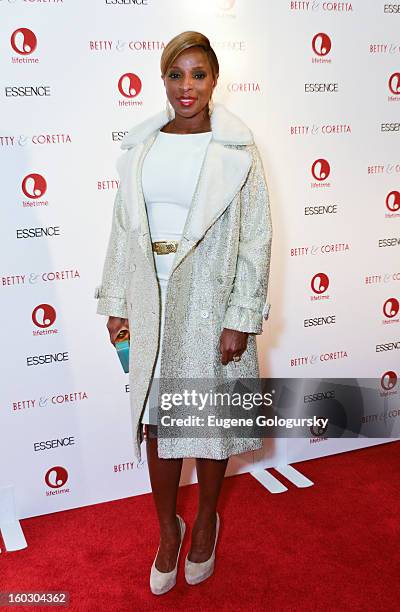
x,y
164,477
210,476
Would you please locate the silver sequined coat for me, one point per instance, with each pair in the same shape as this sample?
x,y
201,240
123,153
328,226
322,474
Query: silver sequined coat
x,y
219,277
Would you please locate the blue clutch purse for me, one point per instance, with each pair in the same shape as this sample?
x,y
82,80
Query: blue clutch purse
x,y
122,347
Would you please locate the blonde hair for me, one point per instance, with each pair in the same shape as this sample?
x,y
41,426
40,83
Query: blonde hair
x,y
184,41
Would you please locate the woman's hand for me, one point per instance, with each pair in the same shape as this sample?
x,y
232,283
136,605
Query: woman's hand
x,y
232,342
114,326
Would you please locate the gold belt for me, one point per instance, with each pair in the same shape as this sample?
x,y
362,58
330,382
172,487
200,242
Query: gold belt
x,y
163,247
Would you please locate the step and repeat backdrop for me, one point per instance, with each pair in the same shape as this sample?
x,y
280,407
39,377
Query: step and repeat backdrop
x,y
319,85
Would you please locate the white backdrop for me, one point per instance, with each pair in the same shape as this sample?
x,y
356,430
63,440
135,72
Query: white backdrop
x,y
318,83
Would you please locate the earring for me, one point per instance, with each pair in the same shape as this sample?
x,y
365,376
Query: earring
x,y
170,110
210,106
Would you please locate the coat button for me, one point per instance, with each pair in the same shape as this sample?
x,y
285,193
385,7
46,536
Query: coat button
x,y
133,267
204,314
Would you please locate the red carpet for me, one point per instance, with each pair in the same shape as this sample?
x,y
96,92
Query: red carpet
x,y
331,546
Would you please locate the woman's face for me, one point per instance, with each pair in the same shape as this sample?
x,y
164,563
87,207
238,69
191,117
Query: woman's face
x,y
189,82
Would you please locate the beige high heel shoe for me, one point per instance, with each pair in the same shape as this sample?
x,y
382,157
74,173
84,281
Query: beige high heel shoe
x,y
197,572
162,582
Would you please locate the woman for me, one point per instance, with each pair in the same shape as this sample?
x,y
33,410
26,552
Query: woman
x,y
186,272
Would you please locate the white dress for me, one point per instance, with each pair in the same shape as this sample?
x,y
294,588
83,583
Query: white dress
x,y
169,177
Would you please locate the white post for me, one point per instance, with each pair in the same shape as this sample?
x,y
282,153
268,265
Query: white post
x,y
11,531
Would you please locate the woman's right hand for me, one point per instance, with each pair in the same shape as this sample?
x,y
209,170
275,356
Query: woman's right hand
x,y
114,326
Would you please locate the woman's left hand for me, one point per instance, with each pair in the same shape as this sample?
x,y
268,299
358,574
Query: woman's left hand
x,y
232,343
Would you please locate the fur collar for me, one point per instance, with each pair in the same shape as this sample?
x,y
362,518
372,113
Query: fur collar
x,y
226,128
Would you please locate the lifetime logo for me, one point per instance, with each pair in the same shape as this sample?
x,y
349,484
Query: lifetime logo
x,y
394,83
393,201
388,380
319,283
320,169
321,44
44,316
390,308
23,41
225,5
34,186
129,85
55,478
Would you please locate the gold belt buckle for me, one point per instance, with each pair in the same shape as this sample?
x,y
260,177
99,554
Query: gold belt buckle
x,y
163,247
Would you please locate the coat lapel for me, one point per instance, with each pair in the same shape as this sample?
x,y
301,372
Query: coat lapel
x,y
223,172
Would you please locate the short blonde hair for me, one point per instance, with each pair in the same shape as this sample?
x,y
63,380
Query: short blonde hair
x,y
184,41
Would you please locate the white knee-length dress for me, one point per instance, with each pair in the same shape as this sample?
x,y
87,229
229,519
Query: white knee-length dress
x,y
169,177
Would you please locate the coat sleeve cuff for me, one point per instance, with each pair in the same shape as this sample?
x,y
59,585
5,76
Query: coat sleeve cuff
x,y
243,319
266,309
110,305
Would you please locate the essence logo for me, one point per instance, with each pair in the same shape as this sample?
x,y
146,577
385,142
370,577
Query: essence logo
x,y
230,45
130,86
394,87
38,232
319,285
34,186
321,45
23,42
393,204
320,171
391,8
34,360
390,309
321,209
56,443
118,136
55,478
43,316
393,345
321,87
390,127
388,242
318,321
27,91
